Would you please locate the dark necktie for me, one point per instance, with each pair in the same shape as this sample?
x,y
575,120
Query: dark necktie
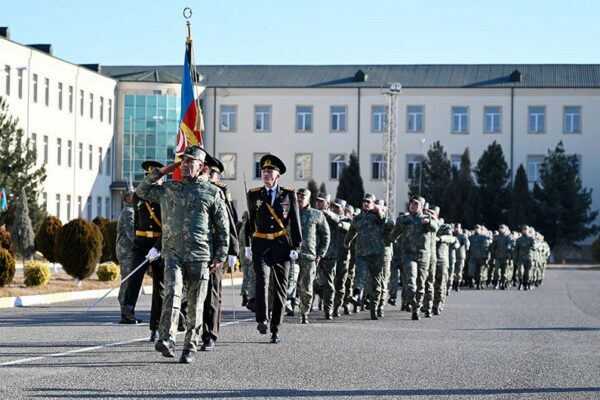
x,y
270,196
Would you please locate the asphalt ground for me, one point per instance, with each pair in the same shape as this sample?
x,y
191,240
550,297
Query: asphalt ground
x,y
543,344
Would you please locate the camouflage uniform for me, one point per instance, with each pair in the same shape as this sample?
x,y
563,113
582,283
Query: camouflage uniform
x,y
428,296
445,241
501,249
525,248
190,208
315,240
124,250
396,274
387,261
478,256
335,263
461,256
248,280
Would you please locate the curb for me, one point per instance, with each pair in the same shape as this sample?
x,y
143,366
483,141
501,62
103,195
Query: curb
x,y
34,300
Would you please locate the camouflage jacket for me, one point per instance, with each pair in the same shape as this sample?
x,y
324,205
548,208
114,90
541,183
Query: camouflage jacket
x,y
189,210
416,236
502,247
315,234
444,242
338,226
125,233
367,228
465,244
387,228
480,245
525,248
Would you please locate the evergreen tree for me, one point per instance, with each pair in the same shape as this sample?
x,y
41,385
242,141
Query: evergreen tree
x,y
314,190
322,188
436,179
493,179
18,157
520,211
562,204
22,231
351,186
465,195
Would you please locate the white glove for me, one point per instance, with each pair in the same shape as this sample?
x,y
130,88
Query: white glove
x,y
153,254
293,255
248,253
231,261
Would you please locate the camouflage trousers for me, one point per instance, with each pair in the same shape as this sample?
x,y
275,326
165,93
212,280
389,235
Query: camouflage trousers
x,y
476,265
459,266
328,272
341,278
416,275
125,265
371,265
524,268
440,284
385,295
195,277
293,274
395,274
248,280
428,295
308,273
349,284
500,270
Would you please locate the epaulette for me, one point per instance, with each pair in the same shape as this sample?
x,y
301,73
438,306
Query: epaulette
x,y
256,189
220,184
288,188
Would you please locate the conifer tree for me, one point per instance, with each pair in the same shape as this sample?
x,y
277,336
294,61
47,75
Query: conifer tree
x,y
22,231
351,186
520,211
493,179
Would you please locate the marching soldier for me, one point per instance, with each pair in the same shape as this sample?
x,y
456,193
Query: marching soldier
x,y
461,255
124,249
501,249
478,255
274,226
338,226
525,248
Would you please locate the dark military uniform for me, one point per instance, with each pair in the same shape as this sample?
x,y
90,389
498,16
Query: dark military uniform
x,y
275,231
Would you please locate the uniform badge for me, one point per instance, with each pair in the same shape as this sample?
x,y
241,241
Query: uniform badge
x,y
258,203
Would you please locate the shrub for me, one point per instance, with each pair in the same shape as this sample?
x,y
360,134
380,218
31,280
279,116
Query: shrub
x,y
596,250
36,273
111,241
78,248
7,267
102,224
5,241
108,271
46,236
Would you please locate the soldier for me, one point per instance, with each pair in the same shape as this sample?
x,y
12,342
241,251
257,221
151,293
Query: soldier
x,y
525,248
213,168
501,249
191,208
146,244
338,227
370,246
387,256
274,226
248,281
397,274
124,248
315,241
416,228
433,213
478,255
349,285
444,241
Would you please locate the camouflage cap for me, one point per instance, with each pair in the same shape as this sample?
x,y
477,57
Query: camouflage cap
x,y
418,199
323,196
304,191
349,208
339,203
380,203
195,153
369,197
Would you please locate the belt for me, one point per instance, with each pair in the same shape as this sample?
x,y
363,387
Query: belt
x,y
269,236
149,234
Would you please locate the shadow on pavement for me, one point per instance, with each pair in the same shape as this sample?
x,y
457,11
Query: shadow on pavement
x,y
558,329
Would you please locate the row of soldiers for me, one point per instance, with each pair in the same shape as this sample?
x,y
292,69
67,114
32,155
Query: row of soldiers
x,y
357,259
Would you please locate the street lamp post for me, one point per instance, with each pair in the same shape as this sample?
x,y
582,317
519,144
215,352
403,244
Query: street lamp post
x,y
421,142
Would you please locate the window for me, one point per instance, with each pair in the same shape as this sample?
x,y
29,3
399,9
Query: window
x,y
88,208
107,208
91,106
90,156
60,95
98,206
80,155
460,120
414,118
45,149
108,162
376,166
35,87
68,207
257,169
46,91
491,119
69,152
81,103
109,111
58,151
303,166
378,118
71,99
534,167
99,161
337,163
229,161
228,118
20,82
572,119
456,161
34,141
45,201
101,109
413,166
58,206
537,119
7,85
79,207
338,118
304,116
262,118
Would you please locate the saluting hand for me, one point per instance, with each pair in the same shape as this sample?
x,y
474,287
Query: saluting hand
x,y
167,169
216,263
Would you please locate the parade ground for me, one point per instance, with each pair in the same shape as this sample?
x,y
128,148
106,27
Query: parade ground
x,y
543,344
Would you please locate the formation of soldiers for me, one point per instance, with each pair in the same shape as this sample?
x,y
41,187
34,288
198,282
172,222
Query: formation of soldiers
x,y
351,259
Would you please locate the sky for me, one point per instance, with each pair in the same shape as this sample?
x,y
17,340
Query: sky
x,y
152,32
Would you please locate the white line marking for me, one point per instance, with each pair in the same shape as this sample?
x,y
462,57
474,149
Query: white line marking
x,y
66,353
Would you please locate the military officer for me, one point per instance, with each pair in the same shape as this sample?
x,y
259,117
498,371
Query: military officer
x,y
124,249
274,226
191,209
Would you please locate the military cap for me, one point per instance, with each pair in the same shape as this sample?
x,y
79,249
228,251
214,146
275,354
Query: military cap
x,y
195,153
418,199
433,208
214,164
369,197
503,226
357,211
269,161
380,203
324,196
304,191
149,165
339,203
350,208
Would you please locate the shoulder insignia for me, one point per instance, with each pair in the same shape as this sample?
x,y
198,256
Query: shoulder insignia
x,y
288,188
256,189
220,184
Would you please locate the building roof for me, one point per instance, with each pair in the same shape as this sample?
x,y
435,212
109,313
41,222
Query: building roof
x,y
373,76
